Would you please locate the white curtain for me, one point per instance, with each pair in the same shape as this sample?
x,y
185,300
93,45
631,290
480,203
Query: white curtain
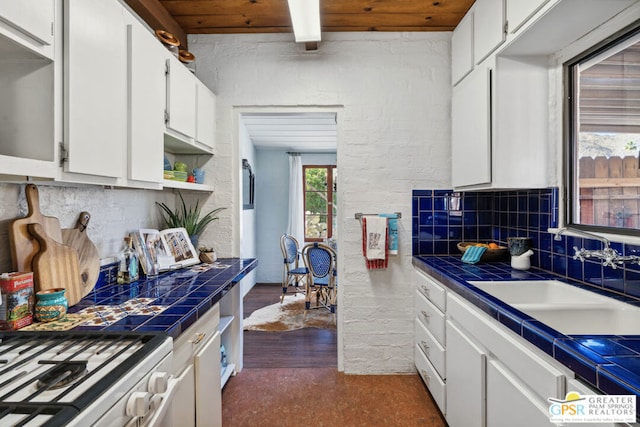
x,y
295,226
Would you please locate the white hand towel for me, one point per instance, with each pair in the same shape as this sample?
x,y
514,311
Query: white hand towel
x,y
376,237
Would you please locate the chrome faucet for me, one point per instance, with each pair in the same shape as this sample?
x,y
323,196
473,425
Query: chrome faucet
x,y
609,256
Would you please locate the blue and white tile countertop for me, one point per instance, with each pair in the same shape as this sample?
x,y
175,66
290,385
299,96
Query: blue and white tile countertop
x,y
610,363
182,297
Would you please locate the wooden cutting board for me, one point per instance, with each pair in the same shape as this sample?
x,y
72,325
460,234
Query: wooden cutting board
x,y
22,243
88,258
55,266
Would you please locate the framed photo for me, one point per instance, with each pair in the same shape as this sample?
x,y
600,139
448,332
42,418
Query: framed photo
x,y
164,250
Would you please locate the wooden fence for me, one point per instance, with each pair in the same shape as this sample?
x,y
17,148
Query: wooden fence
x,y
610,191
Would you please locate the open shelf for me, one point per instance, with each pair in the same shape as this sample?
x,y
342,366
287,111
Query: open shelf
x,y
226,374
168,183
225,321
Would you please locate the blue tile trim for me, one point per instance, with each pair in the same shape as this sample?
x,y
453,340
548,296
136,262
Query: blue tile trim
x,y
609,363
188,295
497,215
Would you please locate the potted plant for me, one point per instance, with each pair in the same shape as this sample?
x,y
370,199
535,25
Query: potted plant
x,y
207,254
190,218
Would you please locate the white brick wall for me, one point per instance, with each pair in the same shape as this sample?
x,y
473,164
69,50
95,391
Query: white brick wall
x,y
394,136
113,212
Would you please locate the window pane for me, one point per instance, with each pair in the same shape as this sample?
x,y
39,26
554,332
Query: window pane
x,y
316,179
316,203
315,226
607,137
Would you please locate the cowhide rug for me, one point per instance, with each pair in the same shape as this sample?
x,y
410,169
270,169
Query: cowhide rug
x,y
288,316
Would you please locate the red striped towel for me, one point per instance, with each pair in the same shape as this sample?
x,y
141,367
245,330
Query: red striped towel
x,y
373,264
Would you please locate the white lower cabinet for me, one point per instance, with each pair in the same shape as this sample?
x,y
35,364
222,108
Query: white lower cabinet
x,y
207,383
196,360
466,364
494,377
430,338
508,399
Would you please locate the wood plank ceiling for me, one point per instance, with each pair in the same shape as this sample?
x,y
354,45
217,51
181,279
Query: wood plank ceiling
x,y
272,16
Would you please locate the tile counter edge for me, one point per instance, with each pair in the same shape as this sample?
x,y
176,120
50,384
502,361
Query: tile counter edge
x,y
184,295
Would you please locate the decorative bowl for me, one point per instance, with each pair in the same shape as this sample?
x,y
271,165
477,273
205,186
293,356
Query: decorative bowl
x,y
491,254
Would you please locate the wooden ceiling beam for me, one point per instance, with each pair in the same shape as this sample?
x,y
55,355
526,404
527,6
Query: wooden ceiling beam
x,y
157,17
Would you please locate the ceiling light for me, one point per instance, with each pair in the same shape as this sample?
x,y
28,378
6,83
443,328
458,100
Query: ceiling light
x,y
305,17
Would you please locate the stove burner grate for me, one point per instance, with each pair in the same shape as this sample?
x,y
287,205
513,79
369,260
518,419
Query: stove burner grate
x,y
62,374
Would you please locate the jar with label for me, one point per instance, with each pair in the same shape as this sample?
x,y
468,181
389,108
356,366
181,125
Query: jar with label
x,y
127,263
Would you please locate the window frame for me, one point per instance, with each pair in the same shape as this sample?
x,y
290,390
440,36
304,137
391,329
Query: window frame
x,y
330,196
570,130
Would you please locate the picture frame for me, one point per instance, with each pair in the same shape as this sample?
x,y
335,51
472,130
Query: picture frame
x,y
165,250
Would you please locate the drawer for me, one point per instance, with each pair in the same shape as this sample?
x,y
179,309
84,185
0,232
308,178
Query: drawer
x,y
436,386
545,376
431,348
195,337
431,317
431,289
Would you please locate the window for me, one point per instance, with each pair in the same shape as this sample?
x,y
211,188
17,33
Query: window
x,y
319,202
603,87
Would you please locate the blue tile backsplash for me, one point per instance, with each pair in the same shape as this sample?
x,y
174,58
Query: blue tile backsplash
x,y
442,218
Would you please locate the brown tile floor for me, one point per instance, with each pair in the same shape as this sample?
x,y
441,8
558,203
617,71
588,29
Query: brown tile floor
x,y
311,397
279,387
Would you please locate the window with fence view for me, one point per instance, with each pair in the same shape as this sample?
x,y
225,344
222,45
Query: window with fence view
x,y
605,135
319,202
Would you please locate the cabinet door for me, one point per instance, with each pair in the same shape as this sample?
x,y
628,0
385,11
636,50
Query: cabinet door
x,y
182,408
31,17
181,99
519,11
96,87
465,364
462,49
206,115
146,105
207,373
508,398
471,129
488,29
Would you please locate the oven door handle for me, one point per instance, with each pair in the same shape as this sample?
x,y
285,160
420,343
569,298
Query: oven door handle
x,y
164,403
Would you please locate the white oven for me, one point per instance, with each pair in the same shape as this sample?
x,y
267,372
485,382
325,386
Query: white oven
x,y
85,379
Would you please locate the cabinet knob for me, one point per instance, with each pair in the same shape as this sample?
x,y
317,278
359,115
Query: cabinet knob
x,y
425,290
138,404
425,314
424,345
425,375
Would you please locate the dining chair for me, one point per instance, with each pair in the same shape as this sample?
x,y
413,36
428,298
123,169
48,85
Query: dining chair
x,y
322,279
293,274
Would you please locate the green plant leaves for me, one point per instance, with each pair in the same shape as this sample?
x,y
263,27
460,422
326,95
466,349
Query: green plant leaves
x,y
189,218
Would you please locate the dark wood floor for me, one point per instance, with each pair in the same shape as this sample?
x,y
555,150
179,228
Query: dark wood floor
x,y
302,348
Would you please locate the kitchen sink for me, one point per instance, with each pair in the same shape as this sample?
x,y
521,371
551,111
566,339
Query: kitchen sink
x,y
539,292
566,308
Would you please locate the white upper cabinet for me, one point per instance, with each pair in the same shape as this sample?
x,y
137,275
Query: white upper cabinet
x,y
95,87
206,118
181,99
519,11
471,129
462,49
488,29
30,23
146,104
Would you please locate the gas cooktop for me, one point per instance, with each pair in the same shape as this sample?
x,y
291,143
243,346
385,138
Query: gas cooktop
x,y
55,378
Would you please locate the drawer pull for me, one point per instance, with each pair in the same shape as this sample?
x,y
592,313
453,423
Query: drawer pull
x,y
425,290
199,337
425,375
424,345
425,314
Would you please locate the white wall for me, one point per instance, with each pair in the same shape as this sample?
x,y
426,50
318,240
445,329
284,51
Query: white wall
x,y
394,135
248,224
